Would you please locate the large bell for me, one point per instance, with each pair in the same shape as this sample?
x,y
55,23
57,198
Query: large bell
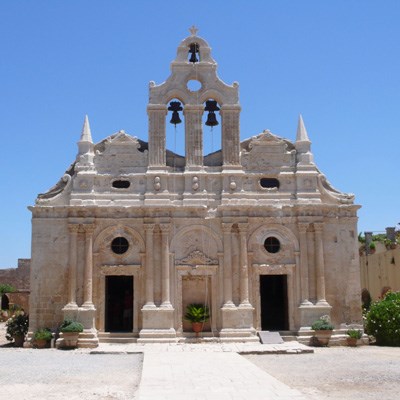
x,y
211,119
175,119
211,107
175,106
193,49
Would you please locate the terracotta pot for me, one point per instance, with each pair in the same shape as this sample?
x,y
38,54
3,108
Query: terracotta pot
x,y
323,337
41,343
352,342
197,327
19,340
70,339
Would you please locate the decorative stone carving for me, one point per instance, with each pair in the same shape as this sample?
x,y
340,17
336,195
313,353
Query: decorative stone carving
x,y
196,257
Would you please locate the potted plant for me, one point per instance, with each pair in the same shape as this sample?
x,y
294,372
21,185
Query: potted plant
x,y
372,248
353,336
323,330
70,332
197,314
17,328
42,337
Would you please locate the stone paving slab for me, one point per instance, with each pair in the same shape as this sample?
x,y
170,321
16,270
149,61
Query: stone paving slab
x,y
208,376
207,371
292,347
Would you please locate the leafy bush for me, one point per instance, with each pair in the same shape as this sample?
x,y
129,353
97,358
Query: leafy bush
x,y
17,325
322,324
71,326
43,334
197,313
383,320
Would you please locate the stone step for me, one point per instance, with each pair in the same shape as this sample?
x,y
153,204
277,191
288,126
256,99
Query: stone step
x,y
117,337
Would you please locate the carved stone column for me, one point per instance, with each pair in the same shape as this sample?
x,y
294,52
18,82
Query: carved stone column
x,y
73,254
244,272
157,135
165,283
319,264
193,135
149,228
88,273
230,134
226,229
304,264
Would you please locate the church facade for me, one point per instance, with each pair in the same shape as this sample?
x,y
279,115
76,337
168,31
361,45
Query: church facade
x,y
133,232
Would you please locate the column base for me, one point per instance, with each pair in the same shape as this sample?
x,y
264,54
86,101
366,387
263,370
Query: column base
x,y
237,318
310,313
158,324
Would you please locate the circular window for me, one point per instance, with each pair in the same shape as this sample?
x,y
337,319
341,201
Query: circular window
x,y
119,245
272,244
194,85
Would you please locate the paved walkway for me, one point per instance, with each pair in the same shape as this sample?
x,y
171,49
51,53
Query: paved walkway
x,y
212,371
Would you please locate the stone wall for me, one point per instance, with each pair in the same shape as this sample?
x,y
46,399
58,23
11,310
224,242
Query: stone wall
x,y
380,270
19,278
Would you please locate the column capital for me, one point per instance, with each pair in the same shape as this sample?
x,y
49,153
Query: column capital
x,y
157,108
149,227
165,228
88,228
73,228
303,226
226,227
318,226
193,108
243,227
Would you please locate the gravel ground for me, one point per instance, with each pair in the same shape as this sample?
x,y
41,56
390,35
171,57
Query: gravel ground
x,y
66,374
338,373
55,374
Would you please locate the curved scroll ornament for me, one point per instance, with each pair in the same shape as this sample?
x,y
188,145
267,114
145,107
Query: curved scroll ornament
x,y
326,187
59,187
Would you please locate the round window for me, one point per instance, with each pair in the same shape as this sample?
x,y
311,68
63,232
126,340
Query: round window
x,y
119,245
194,85
272,244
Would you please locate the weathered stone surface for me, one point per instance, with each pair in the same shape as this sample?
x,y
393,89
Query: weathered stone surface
x,y
134,232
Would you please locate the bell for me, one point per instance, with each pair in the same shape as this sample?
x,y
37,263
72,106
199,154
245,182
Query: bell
x,y
193,49
211,106
175,118
211,119
175,106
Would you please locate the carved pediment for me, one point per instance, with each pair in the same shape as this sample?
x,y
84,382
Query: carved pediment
x,y
120,152
267,139
196,257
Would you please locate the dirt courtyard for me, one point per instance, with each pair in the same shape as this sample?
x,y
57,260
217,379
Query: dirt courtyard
x,y
338,373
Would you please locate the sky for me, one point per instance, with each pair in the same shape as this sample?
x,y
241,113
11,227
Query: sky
x,y
335,62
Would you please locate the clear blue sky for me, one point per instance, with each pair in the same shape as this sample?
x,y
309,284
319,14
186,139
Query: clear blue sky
x,y
335,62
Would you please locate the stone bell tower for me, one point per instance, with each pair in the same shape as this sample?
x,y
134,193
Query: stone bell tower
x,y
194,63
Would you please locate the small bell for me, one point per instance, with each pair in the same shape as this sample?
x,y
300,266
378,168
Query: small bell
x,y
193,49
175,106
211,107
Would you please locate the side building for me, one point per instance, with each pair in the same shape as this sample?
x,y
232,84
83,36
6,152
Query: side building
x,y
133,232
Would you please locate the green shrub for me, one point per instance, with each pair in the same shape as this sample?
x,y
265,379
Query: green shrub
x,y
71,326
17,325
383,320
43,334
322,324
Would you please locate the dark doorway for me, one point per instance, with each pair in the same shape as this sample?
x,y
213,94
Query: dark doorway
x,y
5,304
274,304
119,304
